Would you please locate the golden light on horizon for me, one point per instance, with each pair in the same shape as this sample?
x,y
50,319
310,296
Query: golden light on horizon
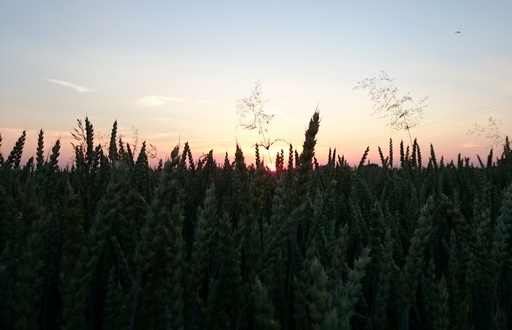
x,y
271,167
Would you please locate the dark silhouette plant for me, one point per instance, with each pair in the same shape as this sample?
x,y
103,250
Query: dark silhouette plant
x,y
492,132
402,112
251,116
84,139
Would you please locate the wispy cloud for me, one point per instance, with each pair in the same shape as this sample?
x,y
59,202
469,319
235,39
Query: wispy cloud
x,y
78,88
157,100
470,145
163,135
211,140
273,112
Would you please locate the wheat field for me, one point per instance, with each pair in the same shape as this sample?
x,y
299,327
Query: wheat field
x,y
113,243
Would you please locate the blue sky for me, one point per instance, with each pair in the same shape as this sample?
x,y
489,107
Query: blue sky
x,y
174,70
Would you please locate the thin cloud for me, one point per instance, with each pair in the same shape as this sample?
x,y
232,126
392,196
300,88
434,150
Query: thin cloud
x,y
78,88
470,145
207,103
157,100
211,140
163,135
273,112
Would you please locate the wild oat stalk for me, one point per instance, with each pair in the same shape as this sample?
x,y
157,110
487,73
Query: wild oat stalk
x,y
492,132
383,92
252,116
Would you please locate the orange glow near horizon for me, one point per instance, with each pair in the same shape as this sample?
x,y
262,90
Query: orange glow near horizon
x,y
271,167
110,64
352,152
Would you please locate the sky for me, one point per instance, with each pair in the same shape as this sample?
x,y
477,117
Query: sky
x,y
171,72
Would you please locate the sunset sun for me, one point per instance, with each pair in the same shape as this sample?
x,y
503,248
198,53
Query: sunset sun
x,y
271,167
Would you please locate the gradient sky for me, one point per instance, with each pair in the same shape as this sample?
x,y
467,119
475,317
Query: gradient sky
x,y
174,70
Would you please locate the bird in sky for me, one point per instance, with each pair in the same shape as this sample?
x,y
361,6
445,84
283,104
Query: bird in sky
x,y
457,32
